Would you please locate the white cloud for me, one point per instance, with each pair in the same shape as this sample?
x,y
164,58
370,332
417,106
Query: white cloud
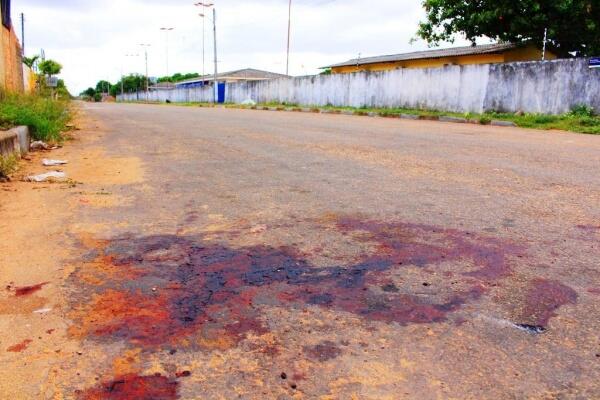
x,y
91,38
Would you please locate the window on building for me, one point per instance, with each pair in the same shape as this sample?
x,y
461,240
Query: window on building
x,y
5,5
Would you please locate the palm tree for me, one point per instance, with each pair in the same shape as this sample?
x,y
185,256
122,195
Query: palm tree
x,y
30,61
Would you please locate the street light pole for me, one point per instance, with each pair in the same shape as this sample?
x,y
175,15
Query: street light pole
x,y
215,83
166,31
145,46
287,64
204,5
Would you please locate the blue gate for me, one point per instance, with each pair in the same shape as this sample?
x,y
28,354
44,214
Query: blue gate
x,y
221,93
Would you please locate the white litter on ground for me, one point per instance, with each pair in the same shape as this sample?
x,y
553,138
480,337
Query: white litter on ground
x,y
248,102
53,163
39,145
49,176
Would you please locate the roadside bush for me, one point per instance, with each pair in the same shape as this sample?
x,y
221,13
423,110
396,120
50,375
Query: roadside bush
x,y
47,118
8,165
582,110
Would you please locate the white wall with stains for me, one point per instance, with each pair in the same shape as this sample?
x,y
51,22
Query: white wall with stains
x,y
550,87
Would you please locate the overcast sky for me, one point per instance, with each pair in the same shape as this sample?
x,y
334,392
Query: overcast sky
x,y
91,38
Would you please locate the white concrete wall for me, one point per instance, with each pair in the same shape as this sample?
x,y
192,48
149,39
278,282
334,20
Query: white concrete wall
x,y
549,87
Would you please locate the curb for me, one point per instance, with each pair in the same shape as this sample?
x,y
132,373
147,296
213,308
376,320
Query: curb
x,y
359,113
15,140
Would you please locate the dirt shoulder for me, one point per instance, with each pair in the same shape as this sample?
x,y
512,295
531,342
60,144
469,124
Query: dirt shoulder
x,y
37,224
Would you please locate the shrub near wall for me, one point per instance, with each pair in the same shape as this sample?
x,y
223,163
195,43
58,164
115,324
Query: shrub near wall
x,y
46,118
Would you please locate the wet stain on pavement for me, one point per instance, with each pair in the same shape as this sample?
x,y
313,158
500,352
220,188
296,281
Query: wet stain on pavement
x,y
544,298
323,351
128,387
27,290
207,294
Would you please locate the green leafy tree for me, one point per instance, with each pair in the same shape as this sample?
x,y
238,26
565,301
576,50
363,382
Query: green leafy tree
x,y
103,86
89,92
50,67
178,77
573,25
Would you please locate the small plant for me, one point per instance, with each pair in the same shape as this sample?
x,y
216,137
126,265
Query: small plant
x,y
582,110
8,165
485,120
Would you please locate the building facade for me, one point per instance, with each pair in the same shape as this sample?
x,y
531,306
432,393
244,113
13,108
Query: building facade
x,y
11,69
483,54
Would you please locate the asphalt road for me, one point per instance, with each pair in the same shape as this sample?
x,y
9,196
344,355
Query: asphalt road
x,y
279,255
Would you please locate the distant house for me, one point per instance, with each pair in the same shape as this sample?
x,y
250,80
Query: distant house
x,y
483,54
241,75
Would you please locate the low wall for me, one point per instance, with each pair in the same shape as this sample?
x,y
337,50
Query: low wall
x,y
551,87
15,140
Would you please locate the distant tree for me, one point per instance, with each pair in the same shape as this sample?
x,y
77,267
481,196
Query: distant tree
x,y
573,25
89,92
103,86
326,71
50,67
178,77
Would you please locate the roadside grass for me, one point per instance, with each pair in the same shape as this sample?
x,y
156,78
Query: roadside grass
x,y
8,165
47,118
581,119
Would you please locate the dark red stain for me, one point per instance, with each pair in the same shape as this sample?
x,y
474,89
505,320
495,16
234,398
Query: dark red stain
x,y
544,297
595,291
187,287
589,228
129,387
323,351
27,290
19,347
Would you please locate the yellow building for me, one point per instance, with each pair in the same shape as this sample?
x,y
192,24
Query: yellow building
x,y
483,54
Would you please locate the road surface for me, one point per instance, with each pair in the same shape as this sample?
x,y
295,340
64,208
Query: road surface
x,y
219,254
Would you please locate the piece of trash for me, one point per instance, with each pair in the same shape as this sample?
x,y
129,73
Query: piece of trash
x,y
258,229
48,177
39,145
535,329
248,102
43,311
53,163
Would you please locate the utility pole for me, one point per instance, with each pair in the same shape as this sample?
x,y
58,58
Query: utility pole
x,y
215,83
145,46
545,40
287,64
22,34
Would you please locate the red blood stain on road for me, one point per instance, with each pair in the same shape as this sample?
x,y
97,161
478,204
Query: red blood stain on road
x,y
129,387
544,297
187,288
27,290
19,347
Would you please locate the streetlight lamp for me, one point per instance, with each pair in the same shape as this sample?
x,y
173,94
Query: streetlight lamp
x,y
145,47
203,5
166,31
